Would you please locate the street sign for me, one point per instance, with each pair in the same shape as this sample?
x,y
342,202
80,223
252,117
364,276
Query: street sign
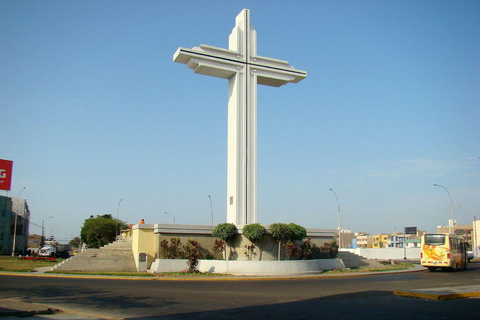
x,y
5,174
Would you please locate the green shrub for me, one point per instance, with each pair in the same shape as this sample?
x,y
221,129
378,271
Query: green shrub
x,y
297,232
225,231
254,232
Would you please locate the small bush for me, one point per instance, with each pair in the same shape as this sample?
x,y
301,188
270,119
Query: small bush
x,y
194,253
250,251
218,249
172,251
306,249
292,250
328,251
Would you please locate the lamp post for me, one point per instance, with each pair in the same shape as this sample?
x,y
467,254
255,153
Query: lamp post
x,y
171,215
452,227
474,242
211,207
14,234
15,225
339,221
116,221
43,231
21,192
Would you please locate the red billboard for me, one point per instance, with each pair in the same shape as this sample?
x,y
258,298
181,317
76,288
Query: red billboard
x,y
5,174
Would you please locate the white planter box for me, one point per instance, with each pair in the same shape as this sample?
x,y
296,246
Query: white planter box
x,y
292,267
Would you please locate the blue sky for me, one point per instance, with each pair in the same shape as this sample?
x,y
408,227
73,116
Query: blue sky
x,y
93,110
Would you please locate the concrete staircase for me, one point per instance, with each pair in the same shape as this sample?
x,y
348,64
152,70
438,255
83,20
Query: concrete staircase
x,y
114,257
352,260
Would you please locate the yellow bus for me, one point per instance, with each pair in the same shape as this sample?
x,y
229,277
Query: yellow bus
x,y
448,251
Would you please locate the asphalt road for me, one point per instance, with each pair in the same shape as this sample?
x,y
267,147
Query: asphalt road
x,y
347,298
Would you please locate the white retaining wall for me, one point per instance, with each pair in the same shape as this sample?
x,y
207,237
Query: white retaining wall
x,y
249,267
387,253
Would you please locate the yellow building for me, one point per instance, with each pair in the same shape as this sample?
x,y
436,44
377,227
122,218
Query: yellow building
x,y
380,241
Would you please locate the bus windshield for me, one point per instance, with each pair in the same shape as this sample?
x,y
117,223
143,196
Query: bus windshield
x,y
434,239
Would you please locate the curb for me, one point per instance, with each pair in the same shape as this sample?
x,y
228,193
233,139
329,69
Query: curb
x,y
233,278
446,293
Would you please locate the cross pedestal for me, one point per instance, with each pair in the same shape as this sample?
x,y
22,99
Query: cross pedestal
x,y
244,69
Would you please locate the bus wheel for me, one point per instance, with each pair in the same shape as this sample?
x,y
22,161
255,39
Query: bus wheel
x,y
432,269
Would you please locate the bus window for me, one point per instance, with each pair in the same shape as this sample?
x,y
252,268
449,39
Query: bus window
x,y
434,239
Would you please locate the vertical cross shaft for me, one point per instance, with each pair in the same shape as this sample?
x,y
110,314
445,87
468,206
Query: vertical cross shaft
x,y
244,70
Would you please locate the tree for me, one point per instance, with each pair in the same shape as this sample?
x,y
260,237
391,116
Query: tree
x,y
279,232
76,243
99,231
298,232
225,231
253,232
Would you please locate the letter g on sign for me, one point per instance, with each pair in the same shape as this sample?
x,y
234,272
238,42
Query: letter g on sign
x,y
3,173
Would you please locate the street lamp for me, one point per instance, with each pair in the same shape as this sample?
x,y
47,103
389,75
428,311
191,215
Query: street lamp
x,y
15,224
462,206
21,192
116,221
339,221
211,207
43,231
172,216
452,227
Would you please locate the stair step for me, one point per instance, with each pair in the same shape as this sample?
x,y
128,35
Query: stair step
x,y
116,256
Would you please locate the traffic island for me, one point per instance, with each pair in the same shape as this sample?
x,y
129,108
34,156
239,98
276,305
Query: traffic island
x,y
445,293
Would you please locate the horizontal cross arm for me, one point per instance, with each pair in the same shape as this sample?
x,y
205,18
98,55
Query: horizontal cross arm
x,y
277,77
207,64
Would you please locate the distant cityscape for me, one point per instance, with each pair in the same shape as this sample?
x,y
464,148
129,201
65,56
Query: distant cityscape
x,y
24,241
354,240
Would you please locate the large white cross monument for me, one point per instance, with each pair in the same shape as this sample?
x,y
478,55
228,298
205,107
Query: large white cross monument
x,y
244,69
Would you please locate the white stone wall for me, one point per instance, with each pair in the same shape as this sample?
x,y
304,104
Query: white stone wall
x,y
387,253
